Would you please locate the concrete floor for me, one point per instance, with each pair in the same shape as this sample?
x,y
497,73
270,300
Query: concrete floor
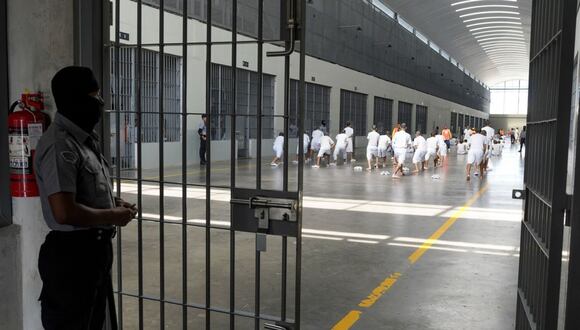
x,y
359,229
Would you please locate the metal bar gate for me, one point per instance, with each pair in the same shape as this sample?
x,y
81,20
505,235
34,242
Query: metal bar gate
x,y
253,210
551,64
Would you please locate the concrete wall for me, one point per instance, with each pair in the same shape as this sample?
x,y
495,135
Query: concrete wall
x,y
40,42
10,278
508,121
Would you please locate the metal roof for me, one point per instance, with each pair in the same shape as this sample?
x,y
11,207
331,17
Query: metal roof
x,y
491,38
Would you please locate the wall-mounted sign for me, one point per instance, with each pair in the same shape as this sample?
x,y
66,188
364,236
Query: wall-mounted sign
x,y
124,36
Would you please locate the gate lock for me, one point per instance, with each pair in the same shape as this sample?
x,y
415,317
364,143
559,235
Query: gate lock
x,y
264,213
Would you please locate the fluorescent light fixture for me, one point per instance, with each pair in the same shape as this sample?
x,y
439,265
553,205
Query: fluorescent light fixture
x,y
502,41
497,27
486,32
501,56
485,6
503,34
471,1
506,50
504,12
494,22
506,44
491,17
499,37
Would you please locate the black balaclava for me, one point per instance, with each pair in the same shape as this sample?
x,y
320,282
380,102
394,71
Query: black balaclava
x,y
71,87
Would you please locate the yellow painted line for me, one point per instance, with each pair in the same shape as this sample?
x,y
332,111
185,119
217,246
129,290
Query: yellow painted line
x,y
354,315
348,321
413,258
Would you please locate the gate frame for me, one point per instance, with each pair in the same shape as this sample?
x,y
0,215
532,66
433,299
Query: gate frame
x,y
558,203
298,26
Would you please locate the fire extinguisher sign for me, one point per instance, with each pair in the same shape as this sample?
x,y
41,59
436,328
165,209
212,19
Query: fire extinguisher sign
x,y
34,134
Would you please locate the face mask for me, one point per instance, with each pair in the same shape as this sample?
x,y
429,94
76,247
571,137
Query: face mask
x,y
86,111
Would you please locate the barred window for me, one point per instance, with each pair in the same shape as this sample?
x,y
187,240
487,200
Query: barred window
x,y
353,108
246,103
123,96
405,113
421,119
383,113
317,107
453,126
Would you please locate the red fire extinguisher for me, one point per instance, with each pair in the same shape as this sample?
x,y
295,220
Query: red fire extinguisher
x,y
25,127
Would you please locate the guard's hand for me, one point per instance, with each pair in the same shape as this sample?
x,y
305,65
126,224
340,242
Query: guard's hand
x,y
122,215
121,203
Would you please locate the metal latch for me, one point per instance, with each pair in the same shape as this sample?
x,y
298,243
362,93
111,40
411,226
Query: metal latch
x,y
263,211
262,214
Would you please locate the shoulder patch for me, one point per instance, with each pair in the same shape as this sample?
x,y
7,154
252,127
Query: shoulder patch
x,y
69,157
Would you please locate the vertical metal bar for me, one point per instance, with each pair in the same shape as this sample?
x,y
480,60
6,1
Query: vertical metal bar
x,y
284,271
260,94
290,5
117,162
302,67
233,159
259,148
138,78
5,199
184,145
161,141
208,86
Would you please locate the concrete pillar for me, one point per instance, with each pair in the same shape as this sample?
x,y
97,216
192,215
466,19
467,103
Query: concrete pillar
x,y
335,124
40,42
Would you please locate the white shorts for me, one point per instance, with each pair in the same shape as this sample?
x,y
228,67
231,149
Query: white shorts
x,y
443,150
419,156
322,152
337,151
383,152
305,150
349,145
430,154
475,157
315,146
401,155
372,152
278,152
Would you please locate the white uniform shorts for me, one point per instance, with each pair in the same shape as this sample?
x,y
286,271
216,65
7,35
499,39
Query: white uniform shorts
x,y
383,152
401,155
305,148
278,151
431,153
372,152
315,145
349,145
338,150
322,152
419,156
443,149
475,157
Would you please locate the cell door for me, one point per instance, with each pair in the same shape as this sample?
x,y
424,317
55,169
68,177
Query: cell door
x,y
552,55
217,242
